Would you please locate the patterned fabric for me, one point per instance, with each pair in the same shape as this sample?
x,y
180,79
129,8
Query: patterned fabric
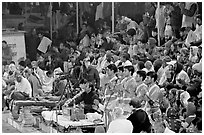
x,y
172,119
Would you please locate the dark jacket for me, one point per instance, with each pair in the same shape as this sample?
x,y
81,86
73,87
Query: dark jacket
x,y
176,16
88,99
140,121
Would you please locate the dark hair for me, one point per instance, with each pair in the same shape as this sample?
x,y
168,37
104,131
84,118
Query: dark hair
x,y
197,122
140,65
142,74
112,67
154,29
4,42
182,29
22,63
135,57
126,56
131,32
152,75
130,69
121,68
12,62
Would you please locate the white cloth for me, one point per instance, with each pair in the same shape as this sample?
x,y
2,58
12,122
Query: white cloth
x,y
85,41
184,96
24,86
3,84
167,130
101,63
198,32
127,63
57,71
160,19
117,62
193,57
183,76
43,46
191,37
146,70
40,74
99,12
120,126
198,66
47,83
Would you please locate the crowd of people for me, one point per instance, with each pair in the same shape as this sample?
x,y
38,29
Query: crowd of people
x,y
142,83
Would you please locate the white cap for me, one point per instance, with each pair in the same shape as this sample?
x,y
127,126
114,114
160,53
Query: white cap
x,y
171,62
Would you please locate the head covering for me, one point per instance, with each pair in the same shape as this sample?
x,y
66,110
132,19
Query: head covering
x,y
166,59
184,96
171,62
197,67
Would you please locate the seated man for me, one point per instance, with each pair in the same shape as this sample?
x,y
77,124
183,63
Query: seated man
x,y
23,88
86,99
34,82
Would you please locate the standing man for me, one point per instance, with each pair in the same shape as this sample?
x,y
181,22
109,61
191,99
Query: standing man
x,y
189,11
6,53
32,41
176,19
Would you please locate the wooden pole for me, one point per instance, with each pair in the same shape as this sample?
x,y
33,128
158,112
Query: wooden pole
x,y
77,17
158,30
112,17
51,20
